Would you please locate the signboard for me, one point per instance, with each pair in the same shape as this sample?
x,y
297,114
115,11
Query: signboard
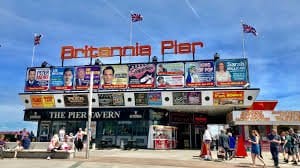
x,y
42,101
83,74
181,117
169,82
141,75
141,99
62,78
111,99
82,114
262,115
228,97
76,100
154,99
37,79
89,51
114,77
231,72
199,74
187,98
170,69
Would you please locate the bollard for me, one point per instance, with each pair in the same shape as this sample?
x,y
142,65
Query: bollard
x,y
93,146
122,144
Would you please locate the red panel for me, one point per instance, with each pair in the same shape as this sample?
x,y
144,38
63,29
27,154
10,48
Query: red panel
x,y
263,105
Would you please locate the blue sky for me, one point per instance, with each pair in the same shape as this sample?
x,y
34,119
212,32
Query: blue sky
x,y
273,55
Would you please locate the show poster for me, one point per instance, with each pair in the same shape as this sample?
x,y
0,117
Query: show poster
x,y
154,99
37,79
199,74
141,75
169,82
83,74
114,77
187,98
111,99
76,100
232,72
44,101
62,78
228,97
170,68
141,99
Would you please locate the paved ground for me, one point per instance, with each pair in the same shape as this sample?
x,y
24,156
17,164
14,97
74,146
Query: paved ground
x,y
116,158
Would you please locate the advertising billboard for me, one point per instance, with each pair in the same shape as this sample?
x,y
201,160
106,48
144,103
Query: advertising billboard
x,y
199,74
169,81
187,98
154,99
114,77
111,99
228,97
76,100
83,74
44,101
62,78
170,68
37,79
231,72
141,75
141,99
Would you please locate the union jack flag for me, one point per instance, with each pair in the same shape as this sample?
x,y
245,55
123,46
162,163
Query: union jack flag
x,y
135,17
249,29
37,39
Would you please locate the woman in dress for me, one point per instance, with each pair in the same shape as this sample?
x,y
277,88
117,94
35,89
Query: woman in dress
x,y
222,75
255,150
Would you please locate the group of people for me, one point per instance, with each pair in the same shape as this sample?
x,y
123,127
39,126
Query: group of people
x,y
288,142
225,144
289,146
62,141
22,138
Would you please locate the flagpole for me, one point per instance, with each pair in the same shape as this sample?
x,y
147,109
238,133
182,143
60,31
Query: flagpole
x,y
32,58
243,40
89,115
130,35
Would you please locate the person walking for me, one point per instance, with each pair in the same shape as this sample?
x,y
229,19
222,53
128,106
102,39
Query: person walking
x,y
275,141
224,143
292,146
232,141
255,150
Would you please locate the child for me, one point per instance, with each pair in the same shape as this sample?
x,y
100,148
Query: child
x,y
18,148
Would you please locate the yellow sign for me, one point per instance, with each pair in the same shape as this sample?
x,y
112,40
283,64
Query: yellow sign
x,y
42,101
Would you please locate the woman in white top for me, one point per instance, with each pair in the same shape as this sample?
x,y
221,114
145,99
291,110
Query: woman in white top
x,y
222,75
207,139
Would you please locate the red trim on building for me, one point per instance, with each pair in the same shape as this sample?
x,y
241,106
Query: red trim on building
x,y
263,105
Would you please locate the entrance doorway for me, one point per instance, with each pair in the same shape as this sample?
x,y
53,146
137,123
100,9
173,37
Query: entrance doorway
x,y
199,131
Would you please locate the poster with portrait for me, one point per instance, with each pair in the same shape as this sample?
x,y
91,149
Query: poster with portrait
x,y
83,74
141,75
37,79
228,97
111,99
114,77
199,74
62,78
169,81
170,68
154,99
231,72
